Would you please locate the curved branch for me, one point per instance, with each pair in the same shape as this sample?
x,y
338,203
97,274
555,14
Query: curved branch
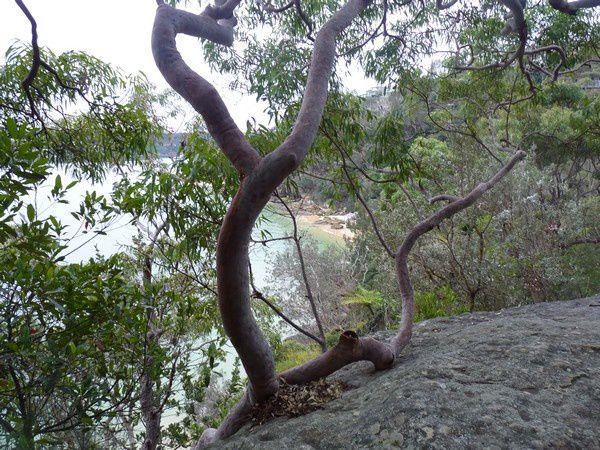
x,y
550,48
259,295
515,23
350,348
572,7
196,90
441,5
309,293
35,65
406,289
442,198
304,19
272,9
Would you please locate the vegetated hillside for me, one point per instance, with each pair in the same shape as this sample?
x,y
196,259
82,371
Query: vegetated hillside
x,y
526,377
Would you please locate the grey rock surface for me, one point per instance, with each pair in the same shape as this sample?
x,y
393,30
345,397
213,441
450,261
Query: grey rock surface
x,y
526,377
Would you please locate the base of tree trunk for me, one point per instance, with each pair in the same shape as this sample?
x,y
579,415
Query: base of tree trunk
x,y
349,349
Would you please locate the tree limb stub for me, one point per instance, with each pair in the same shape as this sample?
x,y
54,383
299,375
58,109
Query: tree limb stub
x,y
349,349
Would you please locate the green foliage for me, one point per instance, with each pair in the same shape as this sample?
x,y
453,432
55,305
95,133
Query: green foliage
x,y
332,338
90,115
64,340
364,297
77,338
441,302
291,354
565,127
74,336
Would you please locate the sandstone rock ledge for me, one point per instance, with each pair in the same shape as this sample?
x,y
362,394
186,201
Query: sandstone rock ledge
x,y
526,377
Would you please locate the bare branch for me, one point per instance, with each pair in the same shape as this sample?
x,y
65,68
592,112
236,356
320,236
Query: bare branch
x,y
272,9
349,349
35,64
442,197
406,289
304,19
572,7
365,205
580,242
309,293
356,191
196,90
441,5
587,63
259,295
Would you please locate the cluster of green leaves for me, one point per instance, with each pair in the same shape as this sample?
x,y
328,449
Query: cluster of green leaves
x,y
516,246
64,328
438,302
66,344
565,126
90,116
73,336
291,354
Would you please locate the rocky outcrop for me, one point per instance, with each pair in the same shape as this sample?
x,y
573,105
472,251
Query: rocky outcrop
x,y
526,377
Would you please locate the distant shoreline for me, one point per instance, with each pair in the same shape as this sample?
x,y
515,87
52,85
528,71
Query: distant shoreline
x,y
311,215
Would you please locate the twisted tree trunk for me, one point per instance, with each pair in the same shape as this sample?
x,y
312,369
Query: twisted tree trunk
x,y
259,177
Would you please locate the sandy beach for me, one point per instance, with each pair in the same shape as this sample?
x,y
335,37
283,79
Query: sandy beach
x,y
322,223
319,219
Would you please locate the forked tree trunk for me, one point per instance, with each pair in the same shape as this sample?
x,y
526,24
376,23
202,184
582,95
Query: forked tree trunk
x,y
259,178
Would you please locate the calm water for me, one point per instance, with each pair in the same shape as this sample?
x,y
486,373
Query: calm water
x,y
120,231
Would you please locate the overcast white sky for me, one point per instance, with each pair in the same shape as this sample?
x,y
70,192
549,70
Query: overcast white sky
x,y
118,32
